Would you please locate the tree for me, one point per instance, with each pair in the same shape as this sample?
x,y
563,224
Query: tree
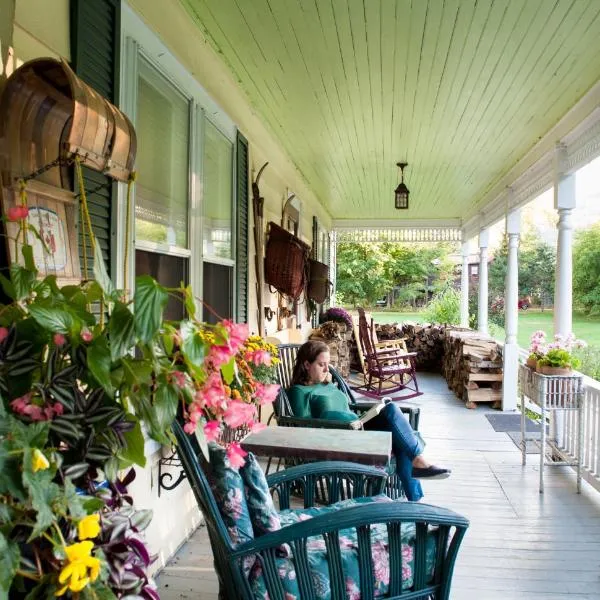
x,y
586,270
537,263
361,276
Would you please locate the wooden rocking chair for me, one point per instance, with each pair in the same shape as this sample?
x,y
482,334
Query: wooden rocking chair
x,y
388,369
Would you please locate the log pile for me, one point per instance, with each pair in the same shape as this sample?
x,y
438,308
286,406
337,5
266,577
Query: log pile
x,y
334,334
426,340
472,367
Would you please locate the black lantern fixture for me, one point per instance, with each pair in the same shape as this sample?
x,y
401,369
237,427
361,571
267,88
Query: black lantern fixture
x,y
401,193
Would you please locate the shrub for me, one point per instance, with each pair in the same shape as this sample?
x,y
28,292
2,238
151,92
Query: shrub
x,y
590,361
444,308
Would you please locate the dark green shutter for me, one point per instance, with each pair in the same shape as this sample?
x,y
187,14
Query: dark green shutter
x,y
314,317
95,57
242,229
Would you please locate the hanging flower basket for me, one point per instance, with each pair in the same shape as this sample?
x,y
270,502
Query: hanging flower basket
x,y
286,261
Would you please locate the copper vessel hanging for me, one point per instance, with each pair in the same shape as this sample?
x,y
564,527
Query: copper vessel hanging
x,y
48,114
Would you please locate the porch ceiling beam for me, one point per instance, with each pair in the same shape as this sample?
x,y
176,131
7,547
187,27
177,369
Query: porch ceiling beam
x,y
578,131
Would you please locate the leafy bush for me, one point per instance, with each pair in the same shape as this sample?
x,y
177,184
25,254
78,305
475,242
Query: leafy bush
x,y
590,361
444,308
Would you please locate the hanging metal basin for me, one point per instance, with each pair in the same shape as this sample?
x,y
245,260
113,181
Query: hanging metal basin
x,y
47,113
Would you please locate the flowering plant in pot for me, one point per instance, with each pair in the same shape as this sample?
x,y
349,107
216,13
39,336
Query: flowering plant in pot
x,y
556,357
337,314
80,374
536,348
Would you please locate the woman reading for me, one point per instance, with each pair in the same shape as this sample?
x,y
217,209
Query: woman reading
x,y
312,394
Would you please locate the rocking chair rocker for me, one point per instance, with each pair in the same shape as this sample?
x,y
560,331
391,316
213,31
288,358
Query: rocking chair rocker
x,y
388,369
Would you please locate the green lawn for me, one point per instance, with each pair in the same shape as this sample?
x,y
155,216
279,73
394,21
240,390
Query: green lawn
x,y
586,328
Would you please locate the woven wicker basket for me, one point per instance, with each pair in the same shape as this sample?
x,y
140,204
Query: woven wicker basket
x,y
286,261
318,281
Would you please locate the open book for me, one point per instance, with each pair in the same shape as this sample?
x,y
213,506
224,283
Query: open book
x,y
370,414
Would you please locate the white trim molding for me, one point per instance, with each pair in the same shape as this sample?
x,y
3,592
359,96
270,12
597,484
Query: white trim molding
x,y
578,131
372,230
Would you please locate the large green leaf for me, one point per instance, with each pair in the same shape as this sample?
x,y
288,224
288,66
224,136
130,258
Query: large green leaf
x,y
22,280
27,251
121,329
99,362
165,405
228,371
43,493
9,562
150,300
134,447
100,273
55,320
193,345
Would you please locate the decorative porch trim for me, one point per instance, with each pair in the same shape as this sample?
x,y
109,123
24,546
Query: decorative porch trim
x,y
374,231
578,131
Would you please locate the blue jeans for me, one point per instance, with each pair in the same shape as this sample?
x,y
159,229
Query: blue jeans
x,y
406,445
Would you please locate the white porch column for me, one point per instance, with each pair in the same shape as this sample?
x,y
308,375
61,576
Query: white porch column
x,y
464,286
564,203
511,305
482,308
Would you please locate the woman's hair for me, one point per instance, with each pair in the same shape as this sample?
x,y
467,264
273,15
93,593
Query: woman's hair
x,y
308,352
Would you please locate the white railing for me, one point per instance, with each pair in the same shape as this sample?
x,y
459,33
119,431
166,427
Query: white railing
x,y
591,429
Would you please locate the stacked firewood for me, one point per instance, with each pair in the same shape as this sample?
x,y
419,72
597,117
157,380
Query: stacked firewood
x,y
335,336
472,367
426,340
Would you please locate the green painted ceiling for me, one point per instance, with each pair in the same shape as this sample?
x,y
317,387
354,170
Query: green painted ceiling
x,y
461,89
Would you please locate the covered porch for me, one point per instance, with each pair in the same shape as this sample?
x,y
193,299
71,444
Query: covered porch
x,y
520,544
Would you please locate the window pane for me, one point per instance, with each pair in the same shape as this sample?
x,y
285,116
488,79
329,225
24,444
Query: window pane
x,y
169,271
218,193
161,209
217,292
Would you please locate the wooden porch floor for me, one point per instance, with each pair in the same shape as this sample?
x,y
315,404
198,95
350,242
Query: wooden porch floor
x,y
520,544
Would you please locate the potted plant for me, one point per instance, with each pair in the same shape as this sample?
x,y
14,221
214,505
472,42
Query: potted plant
x,y
80,374
556,358
536,345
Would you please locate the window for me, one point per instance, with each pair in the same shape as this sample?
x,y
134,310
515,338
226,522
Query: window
x,y
184,195
163,124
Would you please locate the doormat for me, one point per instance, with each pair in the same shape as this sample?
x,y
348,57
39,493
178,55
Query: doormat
x,y
505,423
532,447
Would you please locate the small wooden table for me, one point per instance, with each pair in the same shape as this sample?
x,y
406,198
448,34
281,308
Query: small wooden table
x,y
364,447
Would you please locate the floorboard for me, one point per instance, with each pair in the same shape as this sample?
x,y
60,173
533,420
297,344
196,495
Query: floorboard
x,y
521,544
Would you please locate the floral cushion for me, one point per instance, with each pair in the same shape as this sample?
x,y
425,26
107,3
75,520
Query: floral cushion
x,y
228,489
263,515
317,556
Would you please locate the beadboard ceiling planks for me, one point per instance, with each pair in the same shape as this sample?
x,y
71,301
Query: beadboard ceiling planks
x,y
461,89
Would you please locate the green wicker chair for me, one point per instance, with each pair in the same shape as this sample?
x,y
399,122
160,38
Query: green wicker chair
x,y
419,548
285,417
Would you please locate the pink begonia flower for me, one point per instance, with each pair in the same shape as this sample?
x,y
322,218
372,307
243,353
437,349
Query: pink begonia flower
x,y
238,334
212,430
59,409
35,413
266,393
212,395
257,427
218,355
179,378
236,454
189,427
16,213
20,404
239,413
86,335
3,334
59,339
259,357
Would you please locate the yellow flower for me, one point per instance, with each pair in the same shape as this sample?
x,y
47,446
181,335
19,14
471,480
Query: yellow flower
x,y
81,568
89,527
38,461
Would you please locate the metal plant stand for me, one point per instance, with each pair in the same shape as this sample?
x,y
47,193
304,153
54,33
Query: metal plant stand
x,y
553,393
